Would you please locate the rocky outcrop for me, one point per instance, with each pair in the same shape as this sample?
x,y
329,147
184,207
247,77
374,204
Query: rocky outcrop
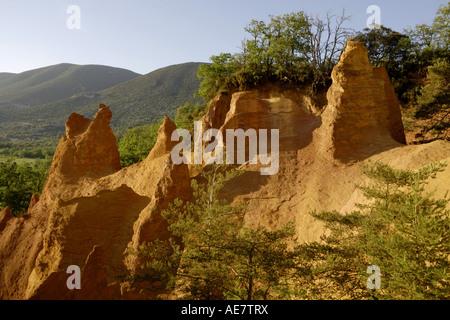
x,y
89,146
361,121
217,111
290,115
34,200
5,216
362,116
363,112
90,214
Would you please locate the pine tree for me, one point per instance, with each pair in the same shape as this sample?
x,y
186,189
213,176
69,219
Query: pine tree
x,y
212,255
407,233
404,231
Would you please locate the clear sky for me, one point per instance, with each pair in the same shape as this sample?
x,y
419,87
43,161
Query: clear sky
x,y
144,35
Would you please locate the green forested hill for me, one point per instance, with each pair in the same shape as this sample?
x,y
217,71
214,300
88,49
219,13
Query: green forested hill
x,y
6,75
139,101
53,83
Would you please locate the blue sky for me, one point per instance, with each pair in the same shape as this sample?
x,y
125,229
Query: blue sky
x,y
144,35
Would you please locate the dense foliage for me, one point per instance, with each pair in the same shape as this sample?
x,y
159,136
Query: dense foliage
x,y
18,182
212,255
437,93
136,143
26,150
292,48
187,114
404,230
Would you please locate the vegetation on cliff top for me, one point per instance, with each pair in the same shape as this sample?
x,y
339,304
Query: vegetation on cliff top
x,y
293,48
299,49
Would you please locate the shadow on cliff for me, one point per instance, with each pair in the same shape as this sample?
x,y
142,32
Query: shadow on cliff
x,y
367,151
246,183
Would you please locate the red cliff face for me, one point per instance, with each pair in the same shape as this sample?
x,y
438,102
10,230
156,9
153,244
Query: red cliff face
x,y
91,211
363,111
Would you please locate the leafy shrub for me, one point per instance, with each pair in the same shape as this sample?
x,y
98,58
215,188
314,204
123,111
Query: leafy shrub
x,y
293,48
436,94
136,143
18,182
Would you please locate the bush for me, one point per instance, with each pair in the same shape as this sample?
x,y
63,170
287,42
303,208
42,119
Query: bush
x,y
293,48
436,95
187,114
18,182
136,143
404,230
212,255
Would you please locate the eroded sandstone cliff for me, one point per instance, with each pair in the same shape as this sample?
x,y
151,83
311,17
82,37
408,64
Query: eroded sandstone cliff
x,y
91,211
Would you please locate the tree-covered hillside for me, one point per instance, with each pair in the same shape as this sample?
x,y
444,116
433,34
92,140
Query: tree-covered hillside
x,y
53,83
6,75
140,101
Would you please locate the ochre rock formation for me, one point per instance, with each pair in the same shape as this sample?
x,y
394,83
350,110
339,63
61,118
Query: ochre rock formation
x,y
320,151
363,111
5,216
91,211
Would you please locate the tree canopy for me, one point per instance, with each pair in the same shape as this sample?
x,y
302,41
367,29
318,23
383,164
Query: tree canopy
x,y
18,182
212,255
403,230
290,48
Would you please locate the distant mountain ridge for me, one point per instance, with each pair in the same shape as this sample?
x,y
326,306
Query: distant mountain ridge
x,y
141,100
57,82
6,75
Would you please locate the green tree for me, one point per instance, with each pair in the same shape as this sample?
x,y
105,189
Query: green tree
x,y
137,142
404,230
212,255
435,96
385,47
392,50
291,48
408,235
263,265
334,267
216,76
276,50
187,114
432,42
18,182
